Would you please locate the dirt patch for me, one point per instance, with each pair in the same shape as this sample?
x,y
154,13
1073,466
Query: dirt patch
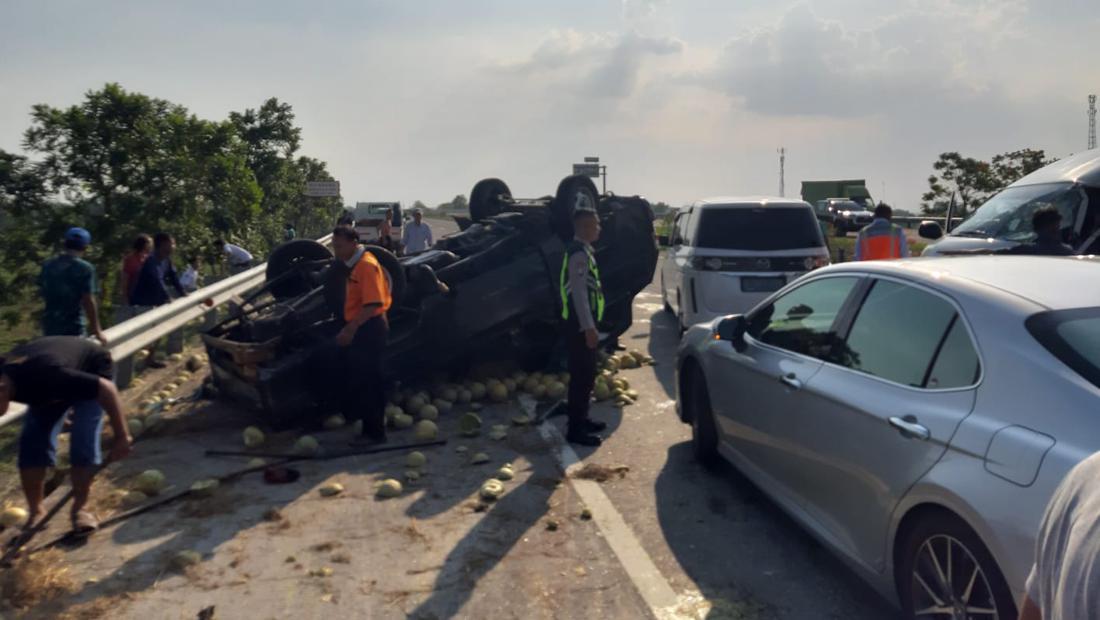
x,y
326,546
601,473
218,504
36,579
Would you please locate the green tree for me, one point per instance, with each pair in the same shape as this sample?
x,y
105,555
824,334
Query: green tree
x,y
970,180
1014,165
128,163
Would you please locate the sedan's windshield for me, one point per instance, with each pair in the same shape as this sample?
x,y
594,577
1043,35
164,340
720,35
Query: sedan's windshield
x,y
1008,214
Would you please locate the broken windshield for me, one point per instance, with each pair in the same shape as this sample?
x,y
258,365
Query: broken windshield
x,y
1008,214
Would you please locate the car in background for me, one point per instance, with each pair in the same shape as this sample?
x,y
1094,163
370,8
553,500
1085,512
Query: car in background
x,y
1071,185
844,215
727,254
916,416
370,215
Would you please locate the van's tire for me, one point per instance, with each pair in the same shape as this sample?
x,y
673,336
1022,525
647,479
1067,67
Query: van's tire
x,y
573,192
939,529
389,262
485,199
285,257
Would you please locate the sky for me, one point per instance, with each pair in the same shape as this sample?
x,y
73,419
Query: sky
x,y
681,99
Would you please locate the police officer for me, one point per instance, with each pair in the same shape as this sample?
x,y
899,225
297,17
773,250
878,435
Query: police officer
x,y
582,308
52,376
362,340
881,239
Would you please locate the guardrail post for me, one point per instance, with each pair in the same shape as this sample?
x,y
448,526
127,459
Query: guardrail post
x,y
124,372
175,342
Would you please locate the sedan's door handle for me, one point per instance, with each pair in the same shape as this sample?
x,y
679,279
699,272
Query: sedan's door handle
x,y
909,427
791,381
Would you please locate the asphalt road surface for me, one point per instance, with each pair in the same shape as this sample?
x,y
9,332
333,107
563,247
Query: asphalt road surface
x,y
662,538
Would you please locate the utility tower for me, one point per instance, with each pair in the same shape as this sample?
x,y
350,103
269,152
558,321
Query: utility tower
x,y
782,171
1092,121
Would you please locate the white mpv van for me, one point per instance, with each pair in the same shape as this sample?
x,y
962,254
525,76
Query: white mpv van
x,y
727,254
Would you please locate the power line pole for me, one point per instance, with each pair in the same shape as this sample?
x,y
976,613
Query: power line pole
x,y
1092,121
782,171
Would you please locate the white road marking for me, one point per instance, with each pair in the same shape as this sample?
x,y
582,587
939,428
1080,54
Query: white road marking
x,y
647,578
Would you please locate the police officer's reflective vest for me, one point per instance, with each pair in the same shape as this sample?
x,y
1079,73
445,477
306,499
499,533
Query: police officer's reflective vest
x,y
595,289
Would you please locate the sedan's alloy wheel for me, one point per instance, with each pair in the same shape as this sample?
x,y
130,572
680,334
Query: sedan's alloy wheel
x,y
948,582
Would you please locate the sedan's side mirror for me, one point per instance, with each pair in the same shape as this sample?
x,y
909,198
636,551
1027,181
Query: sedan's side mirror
x,y
732,329
930,230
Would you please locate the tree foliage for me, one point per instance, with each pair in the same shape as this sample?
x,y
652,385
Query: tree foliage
x,y
119,163
972,181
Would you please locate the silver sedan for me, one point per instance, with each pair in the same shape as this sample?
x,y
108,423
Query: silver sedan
x,y
915,416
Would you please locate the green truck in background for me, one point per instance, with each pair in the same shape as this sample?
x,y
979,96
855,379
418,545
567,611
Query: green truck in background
x,y
846,205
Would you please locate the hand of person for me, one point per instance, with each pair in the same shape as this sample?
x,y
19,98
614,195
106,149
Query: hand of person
x,y
345,336
101,337
120,449
591,338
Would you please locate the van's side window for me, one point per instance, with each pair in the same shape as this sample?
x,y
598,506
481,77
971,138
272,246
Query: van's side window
x,y
683,228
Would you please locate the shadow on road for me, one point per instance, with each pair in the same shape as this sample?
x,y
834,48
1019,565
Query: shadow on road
x,y
746,556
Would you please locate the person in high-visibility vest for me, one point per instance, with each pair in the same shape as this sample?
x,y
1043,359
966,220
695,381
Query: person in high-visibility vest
x,y
881,239
582,304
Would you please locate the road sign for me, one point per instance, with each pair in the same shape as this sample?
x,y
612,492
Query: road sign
x,y
323,189
591,160
588,170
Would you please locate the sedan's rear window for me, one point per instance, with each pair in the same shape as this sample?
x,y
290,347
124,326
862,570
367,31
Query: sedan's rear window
x,y
1073,336
761,229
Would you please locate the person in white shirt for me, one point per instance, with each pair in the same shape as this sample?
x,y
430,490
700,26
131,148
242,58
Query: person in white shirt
x,y
191,278
418,235
239,259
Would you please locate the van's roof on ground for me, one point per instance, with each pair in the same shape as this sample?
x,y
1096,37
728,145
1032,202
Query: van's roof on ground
x,y
752,201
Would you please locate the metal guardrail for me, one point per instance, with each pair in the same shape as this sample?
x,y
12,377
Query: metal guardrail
x,y
138,333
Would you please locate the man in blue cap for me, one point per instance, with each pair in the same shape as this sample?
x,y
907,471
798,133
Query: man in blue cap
x,y
68,286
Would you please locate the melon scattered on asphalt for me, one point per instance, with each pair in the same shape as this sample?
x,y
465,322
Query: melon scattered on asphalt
x,y
555,390
426,430
194,363
402,421
628,362
334,422
253,437
184,559
388,488
331,489
479,458
133,498
175,357
601,391
306,445
492,489
477,390
539,392
521,420
135,426
416,460
505,472
428,412
443,406
469,424
464,395
150,482
529,384
510,384
256,462
412,475
449,394
204,488
415,403
499,392
13,516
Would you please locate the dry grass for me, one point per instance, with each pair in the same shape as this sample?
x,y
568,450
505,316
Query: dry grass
x,y
36,579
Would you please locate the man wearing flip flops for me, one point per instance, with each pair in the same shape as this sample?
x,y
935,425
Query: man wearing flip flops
x,y
52,376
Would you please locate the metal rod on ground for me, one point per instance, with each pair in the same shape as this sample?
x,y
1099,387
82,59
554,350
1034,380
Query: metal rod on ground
x,y
333,455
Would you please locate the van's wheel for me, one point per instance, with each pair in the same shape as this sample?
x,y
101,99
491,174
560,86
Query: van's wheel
x,y
704,434
285,258
574,192
946,571
394,270
488,199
